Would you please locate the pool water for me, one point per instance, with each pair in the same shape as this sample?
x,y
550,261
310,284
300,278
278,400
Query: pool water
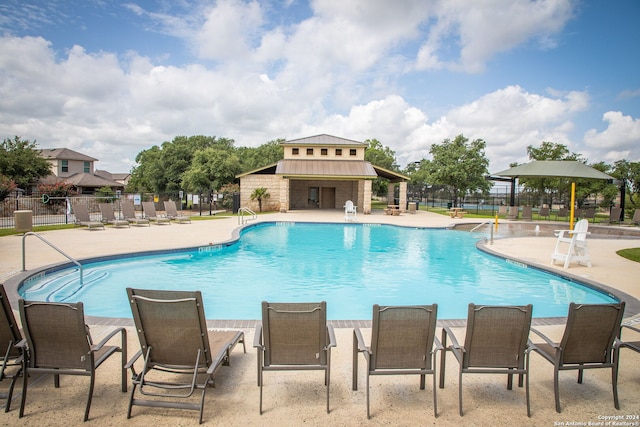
x,y
351,266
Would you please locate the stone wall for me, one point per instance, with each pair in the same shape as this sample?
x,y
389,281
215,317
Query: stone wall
x,y
249,183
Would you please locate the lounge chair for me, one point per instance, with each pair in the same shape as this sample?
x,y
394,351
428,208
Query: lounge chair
x,y
544,212
527,213
574,247
513,212
180,356
402,343
589,213
172,212
83,218
632,345
11,356
350,211
129,213
615,215
59,343
108,217
587,343
502,211
496,342
562,213
635,220
149,209
294,336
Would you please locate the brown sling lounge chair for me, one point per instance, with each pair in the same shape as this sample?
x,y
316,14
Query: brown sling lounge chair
x,y
294,336
179,355
149,209
83,218
59,343
172,212
108,217
402,339
129,213
587,343
11,355
496,342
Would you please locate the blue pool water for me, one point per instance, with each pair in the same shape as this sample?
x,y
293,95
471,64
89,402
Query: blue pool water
x,y
351,266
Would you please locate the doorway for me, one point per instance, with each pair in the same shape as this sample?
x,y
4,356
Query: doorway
x,y
328,198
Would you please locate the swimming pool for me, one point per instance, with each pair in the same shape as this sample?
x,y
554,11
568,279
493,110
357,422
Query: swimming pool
x,y
351,266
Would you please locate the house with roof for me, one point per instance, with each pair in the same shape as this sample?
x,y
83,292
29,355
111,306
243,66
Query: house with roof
x,y
78,169
319,172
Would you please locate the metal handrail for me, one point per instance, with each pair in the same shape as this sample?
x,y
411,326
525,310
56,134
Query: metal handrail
x,y
490,227
241,213
31,233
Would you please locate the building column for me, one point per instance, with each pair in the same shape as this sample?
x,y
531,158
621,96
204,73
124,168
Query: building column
x,y
284,195
364,188
390,193
403,196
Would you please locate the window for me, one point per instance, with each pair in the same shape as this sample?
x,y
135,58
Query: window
x,y
87,167
295,151
352,152
338,151
324,151
64,167
309,151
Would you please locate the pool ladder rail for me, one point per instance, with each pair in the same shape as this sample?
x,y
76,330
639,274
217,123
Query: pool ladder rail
x,y
31,233
490,224
242,220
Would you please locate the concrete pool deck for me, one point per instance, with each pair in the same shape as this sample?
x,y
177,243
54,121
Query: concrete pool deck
x,y
298,397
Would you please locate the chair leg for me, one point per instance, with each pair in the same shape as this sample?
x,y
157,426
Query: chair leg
x,y
328,379
526,392
443,358
422,381
435,398
614,382
25,382
368,412
204,389
510,381
260,381
580,374
556,389
91,384
133,392
460,391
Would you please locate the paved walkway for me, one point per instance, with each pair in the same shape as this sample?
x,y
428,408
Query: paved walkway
x,y
298,398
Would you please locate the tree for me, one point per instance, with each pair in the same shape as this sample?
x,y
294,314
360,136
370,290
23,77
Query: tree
x,y
259,194
629,173
7,185
21,162
211,168
460,165
381,156
554,187
252,158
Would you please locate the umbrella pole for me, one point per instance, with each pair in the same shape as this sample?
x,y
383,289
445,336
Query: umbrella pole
x,y
573,202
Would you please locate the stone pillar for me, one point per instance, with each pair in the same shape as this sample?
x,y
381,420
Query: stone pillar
x,y
390,191
364,188
284,195
403,196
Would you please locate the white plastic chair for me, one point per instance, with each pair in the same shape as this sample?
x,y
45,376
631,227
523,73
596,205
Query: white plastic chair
x,y
574,246
350,211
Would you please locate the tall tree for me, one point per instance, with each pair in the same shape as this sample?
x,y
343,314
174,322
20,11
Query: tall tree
x,y
256,157
210,169
629,173
21,162
384,157
460,164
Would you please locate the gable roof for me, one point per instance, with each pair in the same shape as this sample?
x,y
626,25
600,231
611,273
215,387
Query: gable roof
x,y
64,154
325,169
324,139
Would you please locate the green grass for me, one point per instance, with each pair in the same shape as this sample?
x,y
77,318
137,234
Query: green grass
x,y
632,254
12,231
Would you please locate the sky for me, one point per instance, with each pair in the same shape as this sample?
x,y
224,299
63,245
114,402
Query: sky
x,y
111,78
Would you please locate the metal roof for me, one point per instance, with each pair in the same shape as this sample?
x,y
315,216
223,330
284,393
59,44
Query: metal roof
x,y
325,168
324,139
554,168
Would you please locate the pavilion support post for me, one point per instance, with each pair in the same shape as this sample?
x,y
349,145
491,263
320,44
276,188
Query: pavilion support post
x,y
573,204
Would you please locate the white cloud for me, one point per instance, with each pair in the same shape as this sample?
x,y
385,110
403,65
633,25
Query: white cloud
x,y
620,140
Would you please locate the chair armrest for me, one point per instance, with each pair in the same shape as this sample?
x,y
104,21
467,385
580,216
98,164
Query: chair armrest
x,y
438,345
362,347
454,342
332,336
257,338
544,337
133,359
109,336
22,344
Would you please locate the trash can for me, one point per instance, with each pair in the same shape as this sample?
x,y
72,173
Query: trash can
x,y
412,207
23,221
449,205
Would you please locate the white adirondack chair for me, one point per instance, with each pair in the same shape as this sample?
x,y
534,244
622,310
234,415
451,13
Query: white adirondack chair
x,y
571,245
350,211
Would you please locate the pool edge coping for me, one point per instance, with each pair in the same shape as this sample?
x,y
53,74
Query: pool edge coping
x,y
12,283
